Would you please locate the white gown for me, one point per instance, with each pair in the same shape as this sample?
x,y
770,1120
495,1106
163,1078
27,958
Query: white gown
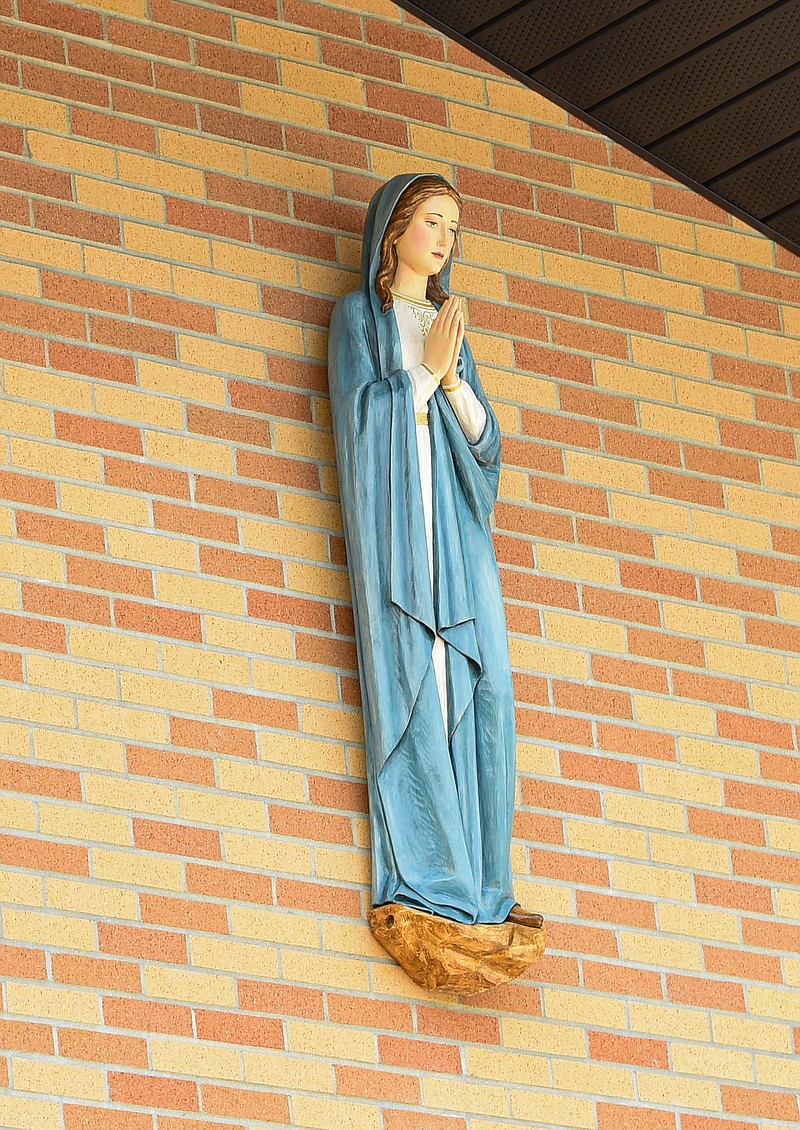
x,y
471,416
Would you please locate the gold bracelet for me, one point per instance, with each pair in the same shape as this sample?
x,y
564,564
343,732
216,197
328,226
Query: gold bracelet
x,y
430,370
452,388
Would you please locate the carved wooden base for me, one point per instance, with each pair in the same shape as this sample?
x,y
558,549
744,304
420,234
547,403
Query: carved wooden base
x,y
451,957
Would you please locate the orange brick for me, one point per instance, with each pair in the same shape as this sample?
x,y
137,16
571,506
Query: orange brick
x,y
102,1047
557,429
148,480
233,1028
250,567
185,914
610,908
20,1035
724,826
771,935
661,645
97,1118
82,431
599,770
329,792
761,1104
707,688
551,727
410,1120
705,993
282,1000
41,780
569,867
276,469
613,1116
422,1055
755,731
236,496
259,710
112,576
740,963
687,488
655,578
606,977
304,824
153,1091
24,347
77,969
536,828
21,961
393,1016
449,1025
734,894
79,291
762,798
582,939
51,530
104,364
195,521
704,1122
147,1016
176,839
156,621
112,130
778,767
27,489
387,1086
138,942
637,1050
228,883
80,223
238,1102
11,667
766,865
170,765
554,797
231,740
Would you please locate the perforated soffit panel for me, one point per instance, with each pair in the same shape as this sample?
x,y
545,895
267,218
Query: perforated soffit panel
x,y
707,90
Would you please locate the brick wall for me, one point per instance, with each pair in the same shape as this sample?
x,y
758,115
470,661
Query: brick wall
x,y
185,847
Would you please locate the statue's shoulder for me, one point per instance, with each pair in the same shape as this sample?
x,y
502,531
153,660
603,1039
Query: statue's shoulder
x,y
350,312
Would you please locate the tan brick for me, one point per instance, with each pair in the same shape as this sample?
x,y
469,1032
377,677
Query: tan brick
x,y
189,986
658,354
27,419
759,504
318,1113
705,622
153,549
204,807
255,329
21,279
654,227
30,110
713,398
324,84
234,957
663,292
96,502
774,1003
278,927
304,753
578,564
699,922
64,462
597,1079
668,1020
107,196
532,655
35,706
776,702
745,662
583,1008
165,244
669,714
601,471
108,646
701,855
711,1061
73,678
288,1072
707,334
69,1080
743,1032
680,784
69,821
15,814
328,1040
705,558
275,40
66,254
698,268
261,780
342,866
327,722
742,247
626,189
606,840
453,84
36,385
390,162
196,1058
665,953
48,1003
209,286
206,152
657,882
738,532
168,176
201,594
323,969
564,627
188,384
28,561
119,266
284,539
196,454
205,664
156,871
505,255
245,636
557,1110
74,749
780,476
29,1114
18,888
670,1090
131,795
775,1072
466,1098
649,512
308,112
581,273
257,264
508,1066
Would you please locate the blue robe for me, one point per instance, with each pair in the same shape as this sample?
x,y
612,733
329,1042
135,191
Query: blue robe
x,y
441,804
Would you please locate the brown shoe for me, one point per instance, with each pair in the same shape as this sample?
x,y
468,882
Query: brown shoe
x,y
525,917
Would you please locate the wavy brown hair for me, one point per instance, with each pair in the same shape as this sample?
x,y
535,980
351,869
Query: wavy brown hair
x,y
420,190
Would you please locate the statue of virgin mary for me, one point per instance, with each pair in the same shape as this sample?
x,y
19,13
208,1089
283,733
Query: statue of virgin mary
x,y
418,455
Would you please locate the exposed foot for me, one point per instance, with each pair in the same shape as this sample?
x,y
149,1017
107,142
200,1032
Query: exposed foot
x,y
525,917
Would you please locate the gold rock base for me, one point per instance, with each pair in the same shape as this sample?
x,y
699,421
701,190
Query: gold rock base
x,y
451,957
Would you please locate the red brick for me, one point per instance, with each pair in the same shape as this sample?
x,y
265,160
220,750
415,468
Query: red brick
x,y
590,339
642,447
237,60
424,43
536,590
282,999
677,199
367,1083
533,828
294,610
513,551
765,865
208,219
361,60
530,690
146,479
95,1118
761,1104
157,107
37,854
613,1116
22,347
233,1028
133,337
185,914
318,18
784,413
704,992
304,824
11,667
67,84
571,206
533,456
139,942
622,980
569,867
41,780
168,1122
547,726
298,239
485,185
83,292
113,576
584,500
786,540
51,530
62,16
554,797
618,605
28,489
726,464
773,284
421,1055
704,1122
225,424
568,143
687,488
238,127
247,195
766,441
630,315
734,895
19,961
772,570
749,374
706,688
259,710
556,428
195,521
105,61
724,826
777,767
559,363
153,1091
14,209
193,83
28,177
612,909
100,363
236,496
762,798
251,567
599,770
597,701
627,673
77,969
117,131
636,741
411,1120
608,1047
169,765
572,938
45,319
368,126
327,148
668,648
228,883
331,792
754,731
535,167
544,296
147,1016
155,621
619,249
20,1035
77,222
736,308
532,228
12,138
25,41
102,1047
231,740
739,963
176,839
174,312
237,1102
392,1016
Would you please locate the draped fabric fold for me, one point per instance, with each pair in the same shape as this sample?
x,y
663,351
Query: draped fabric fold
x,y
441,797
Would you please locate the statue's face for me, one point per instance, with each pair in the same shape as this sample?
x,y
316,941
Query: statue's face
x,y
427,243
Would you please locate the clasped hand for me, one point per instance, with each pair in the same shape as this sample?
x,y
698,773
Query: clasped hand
x,y
443,343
